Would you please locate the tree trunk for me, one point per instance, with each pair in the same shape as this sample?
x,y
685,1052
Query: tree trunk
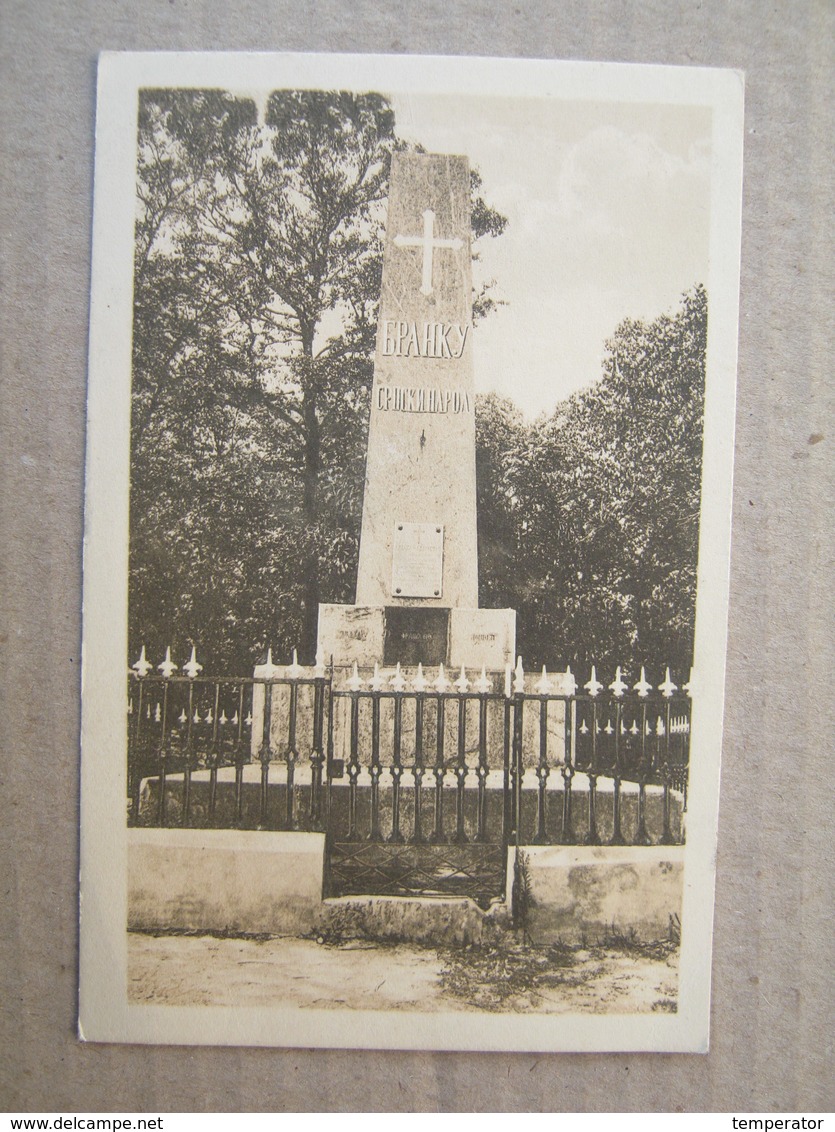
x,y
310,559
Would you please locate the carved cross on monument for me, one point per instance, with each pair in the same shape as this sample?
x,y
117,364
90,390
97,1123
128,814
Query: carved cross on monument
x,y
428,242
417,577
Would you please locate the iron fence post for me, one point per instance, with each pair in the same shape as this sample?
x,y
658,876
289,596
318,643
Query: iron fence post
x,y
162,754
135,757
518,764
214,755
667,834
353,768
507,773
264,753
642,836
184,816
317,755
375,770
617,833
593,837
482,770
239,758
569,722
438,837
396,771
461,771
542,773
418,769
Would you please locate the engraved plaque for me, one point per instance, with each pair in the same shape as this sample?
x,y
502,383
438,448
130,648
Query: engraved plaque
x,y
416,636
417,560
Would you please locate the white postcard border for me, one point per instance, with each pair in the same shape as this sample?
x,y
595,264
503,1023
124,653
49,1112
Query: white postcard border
x,y
105,1014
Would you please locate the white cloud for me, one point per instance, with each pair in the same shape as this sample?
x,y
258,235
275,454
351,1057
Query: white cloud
x,y
608,218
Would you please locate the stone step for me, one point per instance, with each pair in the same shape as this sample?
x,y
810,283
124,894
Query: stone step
x,y
439,920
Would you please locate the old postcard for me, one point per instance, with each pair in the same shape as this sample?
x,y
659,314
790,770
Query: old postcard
x,y
407,535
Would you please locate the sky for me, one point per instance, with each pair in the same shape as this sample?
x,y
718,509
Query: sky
x,y
608,218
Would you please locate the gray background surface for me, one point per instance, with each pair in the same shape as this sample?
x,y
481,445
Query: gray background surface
x,y
772,996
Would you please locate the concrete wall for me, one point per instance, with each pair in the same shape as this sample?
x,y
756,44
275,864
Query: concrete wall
x,y
260,881
224,880
580,892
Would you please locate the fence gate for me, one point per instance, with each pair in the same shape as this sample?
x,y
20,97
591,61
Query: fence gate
x,y
418,789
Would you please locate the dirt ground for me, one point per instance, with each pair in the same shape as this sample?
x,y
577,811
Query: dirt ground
x,y
186,970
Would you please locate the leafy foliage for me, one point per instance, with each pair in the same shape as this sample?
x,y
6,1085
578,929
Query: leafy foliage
x,y
588,520
257,279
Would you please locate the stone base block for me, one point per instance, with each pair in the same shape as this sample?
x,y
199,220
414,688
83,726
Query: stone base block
x,y
482,638
363,635
351,634
224,880
587,894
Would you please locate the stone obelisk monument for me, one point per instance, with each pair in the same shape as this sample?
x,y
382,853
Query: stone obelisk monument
x,y
417,582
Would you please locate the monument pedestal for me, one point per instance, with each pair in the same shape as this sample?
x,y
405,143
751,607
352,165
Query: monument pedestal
x,y
412,635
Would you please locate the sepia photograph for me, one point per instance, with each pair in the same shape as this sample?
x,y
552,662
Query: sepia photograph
x,y
407,540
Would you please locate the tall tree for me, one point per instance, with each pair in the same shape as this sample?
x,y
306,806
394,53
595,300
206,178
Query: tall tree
x,y
258,265
606,500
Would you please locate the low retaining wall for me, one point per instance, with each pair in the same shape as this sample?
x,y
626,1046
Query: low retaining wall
x,y
224,880
579,893
259,881
225,798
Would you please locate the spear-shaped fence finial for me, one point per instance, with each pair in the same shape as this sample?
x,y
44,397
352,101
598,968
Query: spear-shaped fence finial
x,y
142,667
519,676
441,684
569,681
397,682
543,686
319,667
420,683
192,669
618,685
462,683
168,667
354,682
376,683
643,687
483,685
593,686
295,670
668,687
269,671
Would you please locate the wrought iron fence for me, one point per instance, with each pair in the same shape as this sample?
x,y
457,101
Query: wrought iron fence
x,y
189,728
499,759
